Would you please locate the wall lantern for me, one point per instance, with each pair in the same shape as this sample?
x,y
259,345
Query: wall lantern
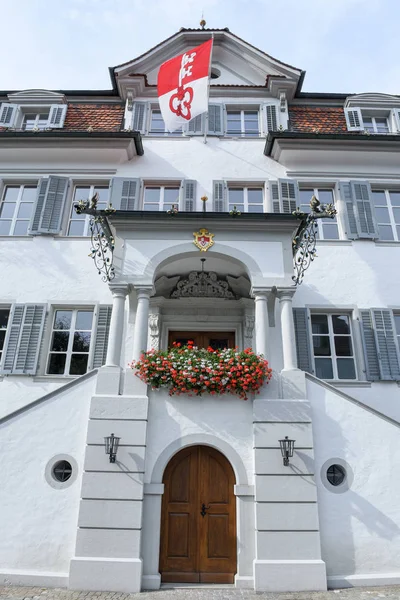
x,y
287,447
111,444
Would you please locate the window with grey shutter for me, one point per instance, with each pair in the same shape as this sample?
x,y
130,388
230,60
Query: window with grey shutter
x,y
124,193
49,206
385,337
8,114
369,344
284,195
354,119
220,196
196,125
302,334
271,116
395,118
22,343
57,116
189,195
102,333
351,219
139,120
361,192
215,119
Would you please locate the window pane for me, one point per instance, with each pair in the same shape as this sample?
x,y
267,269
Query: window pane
x,y
395,198
379,198
331,231
103,195
341,324
343,345
5,227
2,338
323,368
396,214
397,323
62,319
78,364
25,210
319,323
325,196
385,232
151,207
382,125
239,207
256,208
233,122
84,319
29,194
322,346
4,314
21,227
346,369
236,196
382,215
56,364
81,341
152,194
255,195
7,210
171,195
60,341
11,194
76,227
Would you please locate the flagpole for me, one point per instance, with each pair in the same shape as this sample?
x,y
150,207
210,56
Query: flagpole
x,y
208,95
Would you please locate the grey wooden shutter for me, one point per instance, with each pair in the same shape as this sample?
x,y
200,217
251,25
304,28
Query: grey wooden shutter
x,y
395,119
196,125
124,193
139,121
215,119
102,333
354,119
22,343
220,196
53,205
361,191
385,337
274,195
289,194
351,219
37,211
57,116
271,117
8,114
302,334
369,344
189,195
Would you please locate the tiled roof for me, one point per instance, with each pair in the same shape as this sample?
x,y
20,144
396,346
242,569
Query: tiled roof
x,y
312,119
102,117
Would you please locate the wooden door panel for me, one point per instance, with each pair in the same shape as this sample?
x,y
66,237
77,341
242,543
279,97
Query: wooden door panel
x,y
218,533
178,538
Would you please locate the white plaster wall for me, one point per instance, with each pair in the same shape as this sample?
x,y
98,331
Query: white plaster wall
x,y
360,528
38,522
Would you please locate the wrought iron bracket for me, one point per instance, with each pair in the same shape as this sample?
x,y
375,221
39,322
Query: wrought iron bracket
x,y
101,237
305,240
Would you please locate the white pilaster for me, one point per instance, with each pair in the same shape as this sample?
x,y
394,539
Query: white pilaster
x,y
261,320
287,328
141,321
115,337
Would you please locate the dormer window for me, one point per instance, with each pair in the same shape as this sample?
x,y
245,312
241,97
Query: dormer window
x,y
376,124
35,121
33,110
377,114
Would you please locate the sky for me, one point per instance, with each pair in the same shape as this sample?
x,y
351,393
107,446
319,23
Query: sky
x,y
348,46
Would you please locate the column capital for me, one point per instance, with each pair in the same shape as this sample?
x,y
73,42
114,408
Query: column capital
x,y
258,292
143,291
119,290
285,293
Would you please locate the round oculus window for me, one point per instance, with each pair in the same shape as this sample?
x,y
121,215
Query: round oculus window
x,y
336,474
62,470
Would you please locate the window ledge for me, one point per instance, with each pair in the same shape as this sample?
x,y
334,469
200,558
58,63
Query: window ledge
x,y
387,243
349,383
168,137
335,242
55,378
27,238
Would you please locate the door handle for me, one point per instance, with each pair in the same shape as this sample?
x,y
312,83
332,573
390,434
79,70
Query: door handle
x,y
203,510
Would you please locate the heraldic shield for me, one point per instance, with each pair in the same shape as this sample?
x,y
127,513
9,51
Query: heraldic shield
x,y
203,239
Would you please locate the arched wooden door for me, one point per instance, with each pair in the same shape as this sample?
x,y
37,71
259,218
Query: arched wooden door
x,y
198,521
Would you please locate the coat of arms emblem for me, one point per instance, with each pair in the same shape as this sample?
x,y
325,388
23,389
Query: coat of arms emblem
x,y
203,239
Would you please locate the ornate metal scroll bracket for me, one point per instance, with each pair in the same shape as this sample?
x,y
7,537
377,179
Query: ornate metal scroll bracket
x,y
305,241
102,239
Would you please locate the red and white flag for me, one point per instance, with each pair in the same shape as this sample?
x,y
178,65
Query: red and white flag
x,y
183,86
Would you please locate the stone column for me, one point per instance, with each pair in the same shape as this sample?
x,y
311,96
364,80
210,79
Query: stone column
x,y
142,321
287,329
261,321
115,337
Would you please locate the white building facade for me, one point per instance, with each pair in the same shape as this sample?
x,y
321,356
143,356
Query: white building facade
x,y
198,492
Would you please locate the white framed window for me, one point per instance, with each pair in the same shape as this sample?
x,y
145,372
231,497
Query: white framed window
x,y
157,125
4,316
387,213
35,120
376,124
243,123
328,229
160,197
16,208
396,318
246,198
78,225
332,346
70,341
372,120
